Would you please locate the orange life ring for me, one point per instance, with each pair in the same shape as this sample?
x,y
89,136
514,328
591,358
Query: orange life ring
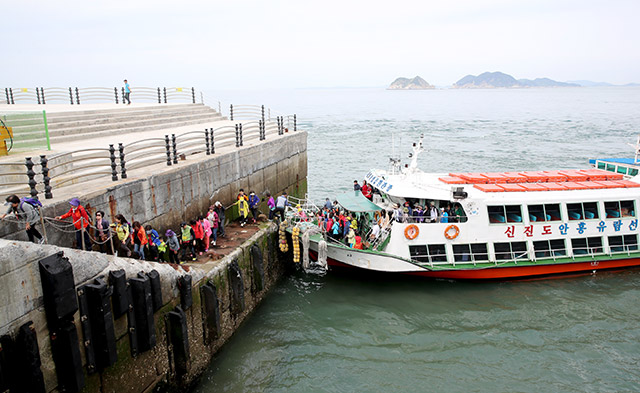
x,y
411,231
456,232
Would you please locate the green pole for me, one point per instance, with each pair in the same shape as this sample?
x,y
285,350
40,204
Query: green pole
x,y
46,129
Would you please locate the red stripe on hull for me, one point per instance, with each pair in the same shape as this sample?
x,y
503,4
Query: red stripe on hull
x,y
501,273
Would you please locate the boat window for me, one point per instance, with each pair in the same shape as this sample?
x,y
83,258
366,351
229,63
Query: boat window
x,y
543,213
504,214
601,165
585,246
623,243
428,254
470,252
633,171
622,169
549,248
583,211
509,251
617,209
611,167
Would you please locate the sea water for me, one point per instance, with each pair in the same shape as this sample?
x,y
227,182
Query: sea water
x,y
364,333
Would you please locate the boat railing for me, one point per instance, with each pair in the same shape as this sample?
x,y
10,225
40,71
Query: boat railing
x,y
427,220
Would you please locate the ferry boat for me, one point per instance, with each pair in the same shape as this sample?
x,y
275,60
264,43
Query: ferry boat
x,y
509,224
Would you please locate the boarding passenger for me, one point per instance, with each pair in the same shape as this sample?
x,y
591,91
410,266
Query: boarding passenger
x,y
327,204
80,221
351,237
123,235
206,226
433,212
187,242
102,232
212,217
366,190
375,231
254,201
139,239
219,209
444,215
173,245
281,203
243,210
356,186
26,211
154,242
198,231
271,204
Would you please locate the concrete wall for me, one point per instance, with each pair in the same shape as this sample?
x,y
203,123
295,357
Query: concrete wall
x,y
170,195
19,271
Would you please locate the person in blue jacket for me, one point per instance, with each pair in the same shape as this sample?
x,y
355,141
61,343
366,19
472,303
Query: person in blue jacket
x,y
254,201
154,241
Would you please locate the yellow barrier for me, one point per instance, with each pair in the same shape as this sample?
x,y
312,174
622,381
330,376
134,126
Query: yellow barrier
x,y
6,133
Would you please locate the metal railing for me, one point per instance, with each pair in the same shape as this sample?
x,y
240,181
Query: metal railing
x,y
80,95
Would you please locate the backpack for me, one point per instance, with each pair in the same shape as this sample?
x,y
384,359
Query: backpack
x,y
32,201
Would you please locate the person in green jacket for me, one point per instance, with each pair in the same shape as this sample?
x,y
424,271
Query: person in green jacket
x,y
188,241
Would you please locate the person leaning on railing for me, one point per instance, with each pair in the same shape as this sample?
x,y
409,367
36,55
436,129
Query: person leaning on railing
x,y
80,221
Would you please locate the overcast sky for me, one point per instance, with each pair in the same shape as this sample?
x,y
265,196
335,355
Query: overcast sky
x,y
330,43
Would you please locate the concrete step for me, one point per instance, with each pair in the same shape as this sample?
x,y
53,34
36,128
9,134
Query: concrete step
x,y
113,132
95,119
119,110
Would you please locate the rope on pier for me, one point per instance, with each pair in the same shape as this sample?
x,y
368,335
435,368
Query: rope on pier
x,y
305,250
322,254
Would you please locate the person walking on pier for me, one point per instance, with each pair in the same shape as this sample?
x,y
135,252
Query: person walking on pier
x,y
219,209
127,93
281,204
254,201
140,240
174,246
25,210
213,219
123,235
81,221
188,241
102,233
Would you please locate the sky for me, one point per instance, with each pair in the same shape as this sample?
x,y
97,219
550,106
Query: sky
x,y
304,44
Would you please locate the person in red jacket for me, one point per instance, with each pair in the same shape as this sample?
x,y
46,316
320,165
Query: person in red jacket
x,y
366,190
140,240
198,230
81,221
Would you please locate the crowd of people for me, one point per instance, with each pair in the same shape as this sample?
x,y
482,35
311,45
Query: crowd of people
x,y
135,240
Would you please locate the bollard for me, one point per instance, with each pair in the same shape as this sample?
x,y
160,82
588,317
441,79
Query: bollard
x,y
123,96
123,170
241,135
263,113
42,94
38,94
165,95
71,95
231,112
6,93
213,149
193,95
77,97
168,148
206,139
115,92
295,123
237,137
45,177
112,157
260,129
159,97
31,175
175,148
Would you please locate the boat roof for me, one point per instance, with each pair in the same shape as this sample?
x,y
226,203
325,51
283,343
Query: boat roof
x,y
354,201
625,161
508,186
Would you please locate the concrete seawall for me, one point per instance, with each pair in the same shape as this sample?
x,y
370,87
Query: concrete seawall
x,y
259,271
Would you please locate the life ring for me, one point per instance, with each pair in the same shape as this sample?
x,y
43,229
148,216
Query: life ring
x,y
447,232
411,231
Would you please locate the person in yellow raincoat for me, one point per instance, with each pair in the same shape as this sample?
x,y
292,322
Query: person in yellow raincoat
x,y
243,210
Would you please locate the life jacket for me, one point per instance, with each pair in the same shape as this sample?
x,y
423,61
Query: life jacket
x,y
186,234
162,247
243,208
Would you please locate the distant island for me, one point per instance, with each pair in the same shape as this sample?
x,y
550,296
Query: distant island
x,y
416,83
490,80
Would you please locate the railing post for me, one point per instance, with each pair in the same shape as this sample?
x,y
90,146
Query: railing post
x,y
219,108
77,97
167,146
71,96
38,94
175,148
115,92
260,129
31,175
213,149
42,94
123,170
295,123
241,135
237,137
112,157
280,125
165,95
263,113
193,95
159,97
45,177
231,112
123,96
11,94
6,93
206,139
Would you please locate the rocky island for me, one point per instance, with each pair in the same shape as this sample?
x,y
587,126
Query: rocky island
x,y
490,80
416,83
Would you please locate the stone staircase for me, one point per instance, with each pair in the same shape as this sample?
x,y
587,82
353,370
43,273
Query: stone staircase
x,y
67,126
